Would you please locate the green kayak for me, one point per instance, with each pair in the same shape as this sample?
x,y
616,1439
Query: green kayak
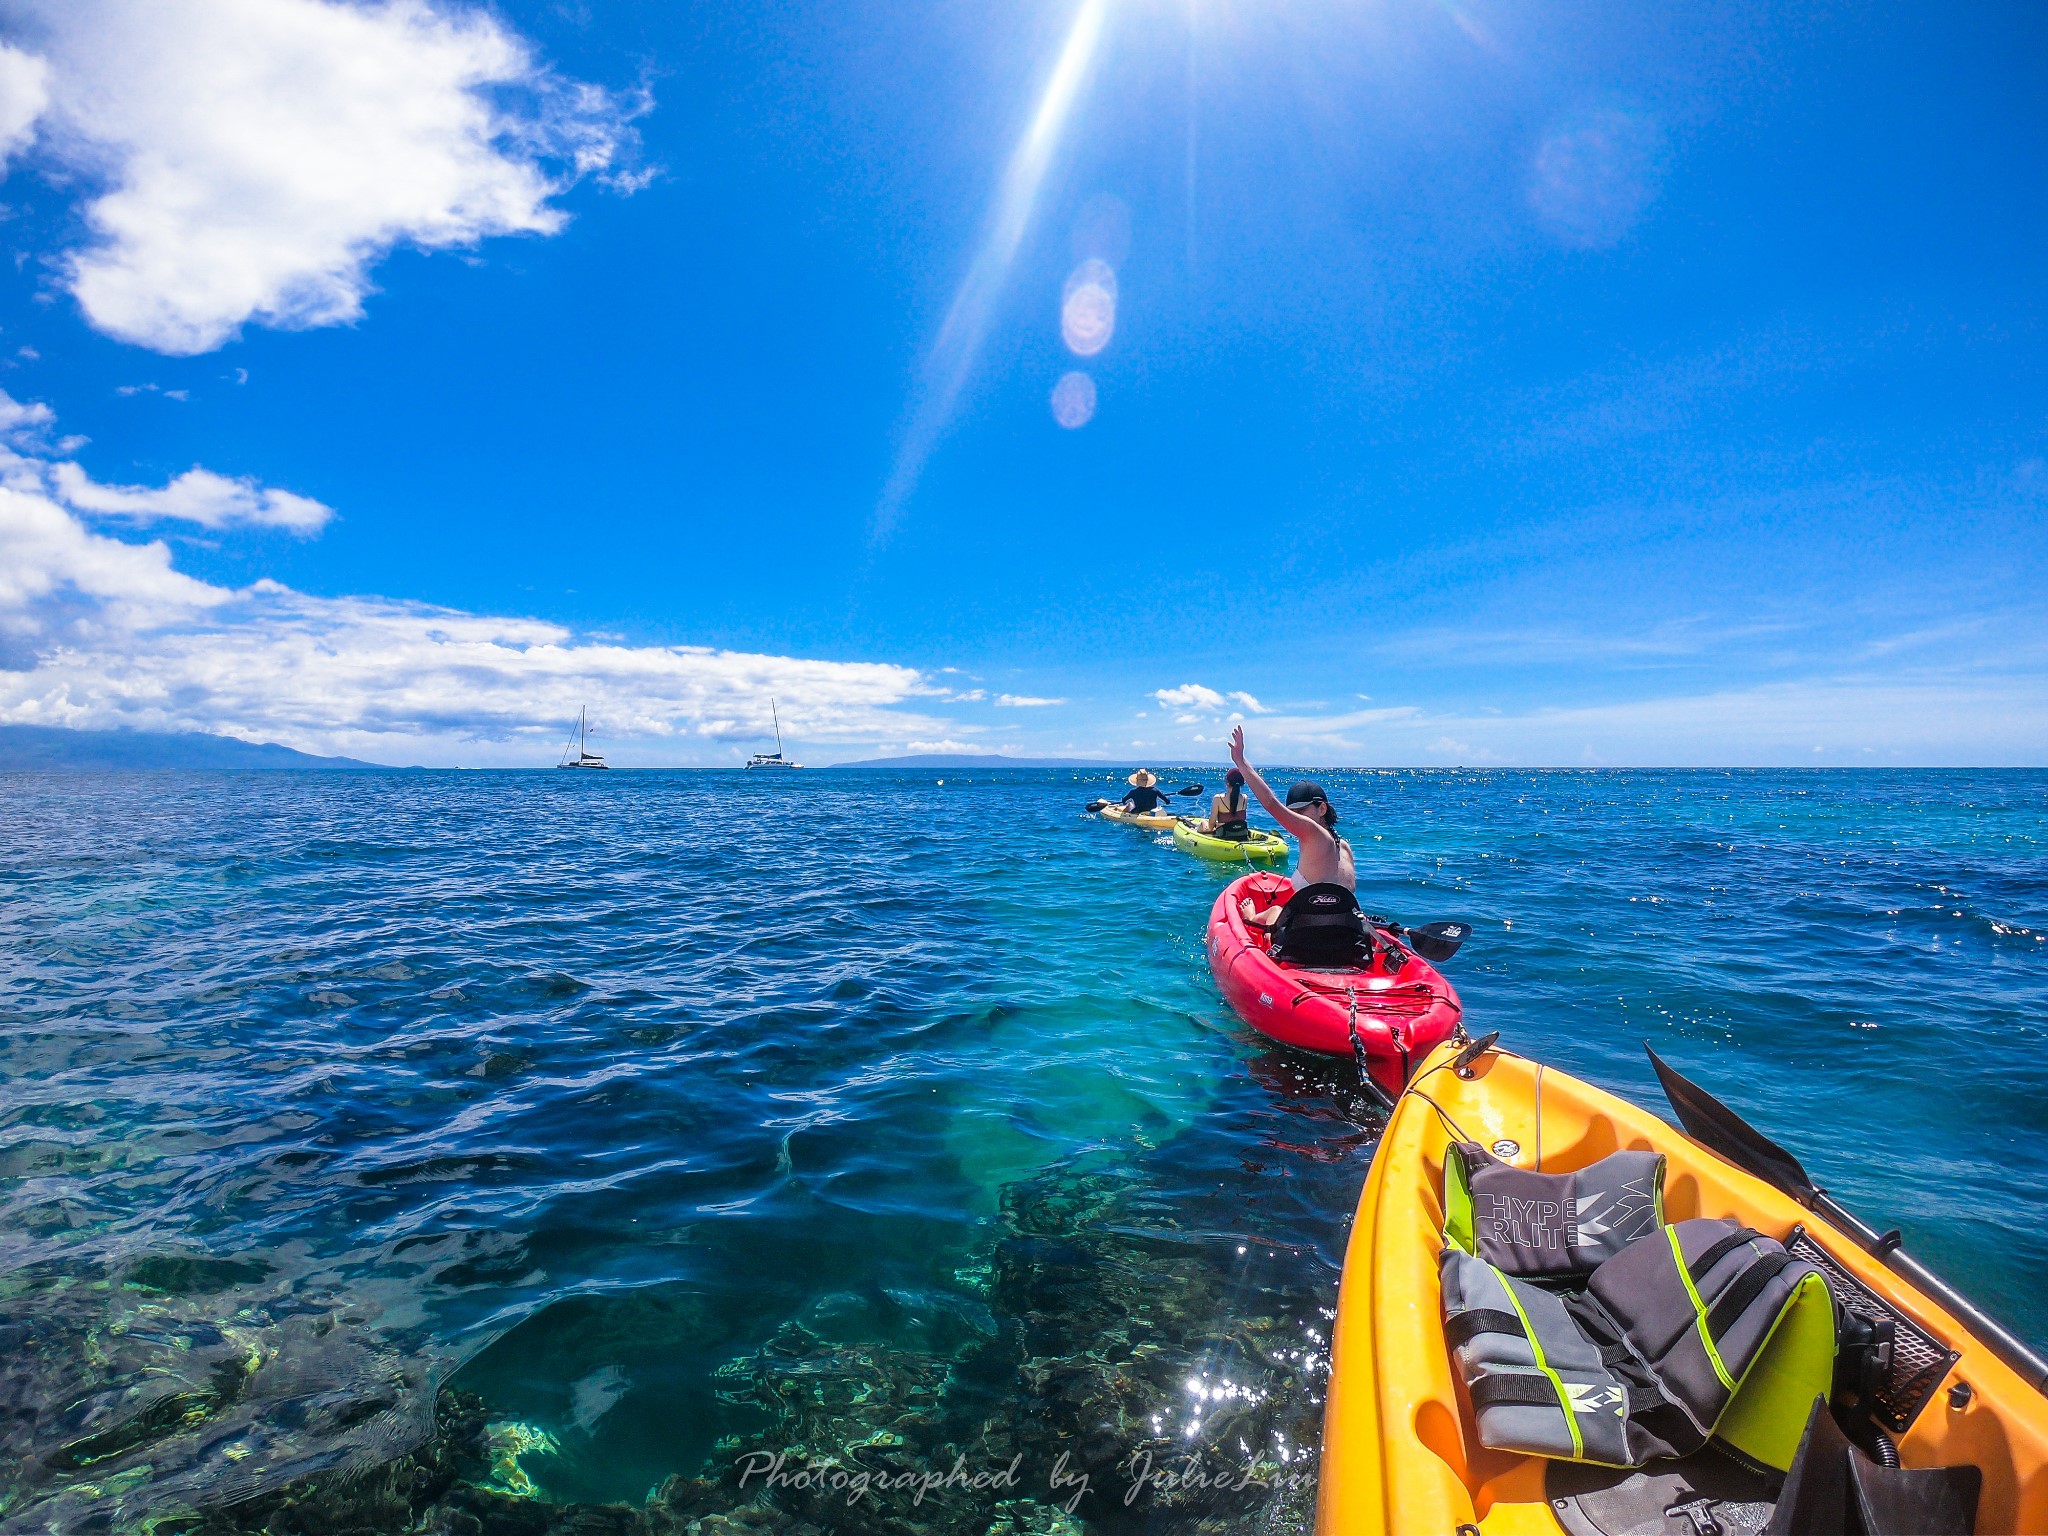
x,y
1262,847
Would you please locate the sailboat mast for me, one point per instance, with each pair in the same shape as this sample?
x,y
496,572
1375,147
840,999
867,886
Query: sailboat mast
x,y
777,717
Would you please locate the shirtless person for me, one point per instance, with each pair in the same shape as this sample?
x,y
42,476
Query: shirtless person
x,y
1308,814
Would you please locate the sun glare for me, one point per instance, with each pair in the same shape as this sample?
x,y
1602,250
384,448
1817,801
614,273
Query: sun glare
x,y
952,356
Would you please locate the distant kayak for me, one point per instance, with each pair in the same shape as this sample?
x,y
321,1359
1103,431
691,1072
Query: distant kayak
x,y
1399,1015
1261,847
1156,821
1434,1426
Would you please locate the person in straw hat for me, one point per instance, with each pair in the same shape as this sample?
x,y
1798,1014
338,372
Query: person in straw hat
x,y
1144,795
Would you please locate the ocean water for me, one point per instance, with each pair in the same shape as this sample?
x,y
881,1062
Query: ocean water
x,y
867,1152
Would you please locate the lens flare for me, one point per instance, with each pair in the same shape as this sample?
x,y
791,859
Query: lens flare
x,y
1088,309
1073,400
946,370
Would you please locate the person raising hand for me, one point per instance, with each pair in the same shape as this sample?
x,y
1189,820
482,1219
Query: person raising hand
x,y
1309,816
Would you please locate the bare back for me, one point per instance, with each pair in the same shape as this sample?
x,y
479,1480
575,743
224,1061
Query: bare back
x,y
1325,860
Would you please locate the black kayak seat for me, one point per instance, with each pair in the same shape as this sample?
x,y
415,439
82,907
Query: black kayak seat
x,y
1322,928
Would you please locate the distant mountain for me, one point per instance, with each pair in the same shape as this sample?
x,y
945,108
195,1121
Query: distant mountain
x,y
969,760
42,746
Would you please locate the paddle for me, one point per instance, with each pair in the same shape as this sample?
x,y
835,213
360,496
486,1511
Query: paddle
x,y
1719,1129
1097,805
1438,941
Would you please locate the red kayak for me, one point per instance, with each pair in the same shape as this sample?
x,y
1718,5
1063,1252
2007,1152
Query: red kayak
x,y
1400,1014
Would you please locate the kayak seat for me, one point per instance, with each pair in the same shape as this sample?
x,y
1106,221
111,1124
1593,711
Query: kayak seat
x,y
1321,928
1588,1330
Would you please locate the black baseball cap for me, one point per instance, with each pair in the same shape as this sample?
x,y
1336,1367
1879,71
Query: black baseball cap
x,y
1308,790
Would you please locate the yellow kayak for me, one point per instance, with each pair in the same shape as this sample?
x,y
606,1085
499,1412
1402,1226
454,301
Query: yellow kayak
x,y
1405,1449
1261,847
1157,821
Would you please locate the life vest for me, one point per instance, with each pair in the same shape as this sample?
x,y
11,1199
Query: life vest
x,y
1643,1336
1530,1224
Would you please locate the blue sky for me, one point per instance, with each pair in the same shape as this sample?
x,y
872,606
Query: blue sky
x,y
1583,384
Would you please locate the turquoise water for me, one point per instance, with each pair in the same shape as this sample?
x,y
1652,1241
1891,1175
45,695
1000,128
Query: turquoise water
x,y
483,1148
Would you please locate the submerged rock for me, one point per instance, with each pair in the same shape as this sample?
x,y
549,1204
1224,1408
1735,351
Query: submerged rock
x,y
1130,1374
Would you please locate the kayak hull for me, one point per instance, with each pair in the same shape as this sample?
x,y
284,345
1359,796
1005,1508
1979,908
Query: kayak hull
x,y
1398,1017
1261,848
1152,821
1400,1449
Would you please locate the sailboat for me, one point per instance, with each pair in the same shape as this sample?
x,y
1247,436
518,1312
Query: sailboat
x,y
773,759
583,757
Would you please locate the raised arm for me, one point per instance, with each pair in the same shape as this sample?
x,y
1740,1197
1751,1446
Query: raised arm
x,y
1301,826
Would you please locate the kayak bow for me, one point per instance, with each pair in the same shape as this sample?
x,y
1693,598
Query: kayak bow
x,y
1401,1450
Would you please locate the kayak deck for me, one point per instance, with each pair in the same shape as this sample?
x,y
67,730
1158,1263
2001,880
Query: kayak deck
x,y
1262,847
1152,821
1400,1448
1395,1019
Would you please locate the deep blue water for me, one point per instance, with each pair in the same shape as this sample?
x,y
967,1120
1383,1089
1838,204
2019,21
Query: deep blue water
x,y
660,1121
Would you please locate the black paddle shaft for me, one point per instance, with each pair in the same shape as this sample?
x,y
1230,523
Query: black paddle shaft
x,y
1190,789
1720,1130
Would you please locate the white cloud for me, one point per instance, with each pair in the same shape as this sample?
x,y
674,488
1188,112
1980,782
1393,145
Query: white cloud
x,y
1195,696
50,564
24,93
1025,701
197,496
405,681
260,156
96,631
23,420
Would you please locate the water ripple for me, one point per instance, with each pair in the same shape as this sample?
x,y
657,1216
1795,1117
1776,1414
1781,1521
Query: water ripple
x,y
569,1139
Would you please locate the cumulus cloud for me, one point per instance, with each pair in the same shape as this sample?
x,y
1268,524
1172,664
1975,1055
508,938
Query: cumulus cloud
x,y
23,421
99,631
406,680
258,157
51,566
1193,696
24,93
197,496
1025,701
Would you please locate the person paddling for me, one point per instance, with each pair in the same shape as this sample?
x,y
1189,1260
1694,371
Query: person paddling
x,y
1144,796
1227,818
1309,816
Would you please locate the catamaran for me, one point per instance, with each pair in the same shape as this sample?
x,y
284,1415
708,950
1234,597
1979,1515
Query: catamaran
x,y
582,757
773,759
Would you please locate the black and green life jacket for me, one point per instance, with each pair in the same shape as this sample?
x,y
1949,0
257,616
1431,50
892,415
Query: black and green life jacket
x,y
1642,1339
1531,1224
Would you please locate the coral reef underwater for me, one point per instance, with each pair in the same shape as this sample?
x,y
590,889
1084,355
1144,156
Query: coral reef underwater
x,y
1171,1376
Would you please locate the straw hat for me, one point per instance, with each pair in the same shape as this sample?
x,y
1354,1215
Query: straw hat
x,y
1142,779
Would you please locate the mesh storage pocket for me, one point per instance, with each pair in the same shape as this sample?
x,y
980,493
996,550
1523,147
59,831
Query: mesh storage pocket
x,y
1919,1360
